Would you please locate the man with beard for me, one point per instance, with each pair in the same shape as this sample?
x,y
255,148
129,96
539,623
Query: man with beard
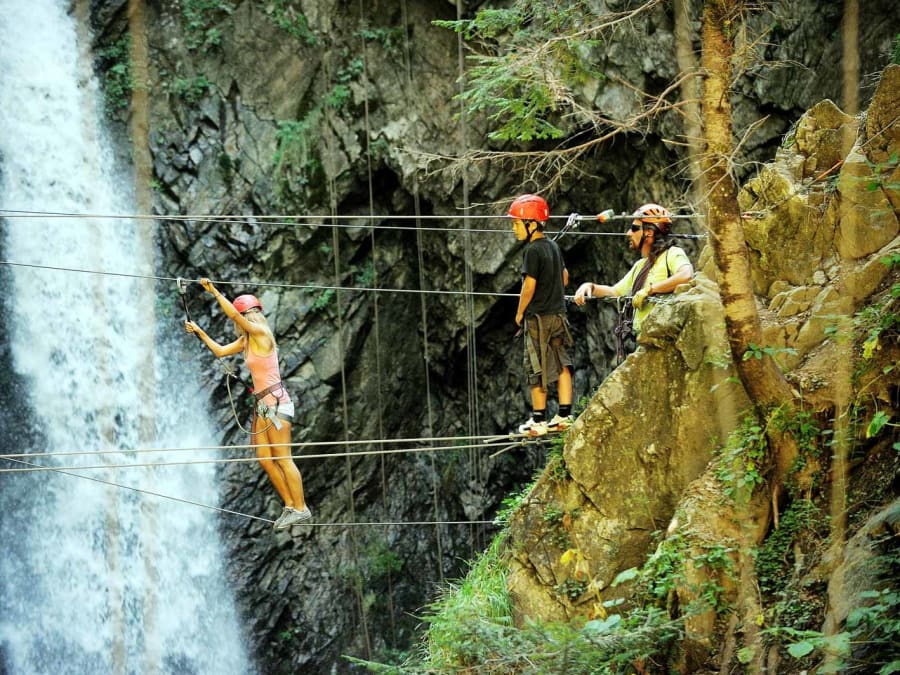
x,y
661,268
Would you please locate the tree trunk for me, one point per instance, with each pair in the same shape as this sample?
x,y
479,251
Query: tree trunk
x,y
758,372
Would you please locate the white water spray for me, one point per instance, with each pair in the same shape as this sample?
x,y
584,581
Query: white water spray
x,y
93,577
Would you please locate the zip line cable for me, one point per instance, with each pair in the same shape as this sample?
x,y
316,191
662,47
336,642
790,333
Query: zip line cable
x,y
245,284
336,253
477,539
407,228
252,446
288,220
252,517
375,299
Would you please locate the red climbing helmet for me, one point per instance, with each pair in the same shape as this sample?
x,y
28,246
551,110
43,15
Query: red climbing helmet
x,y
654,214
244,302
530,207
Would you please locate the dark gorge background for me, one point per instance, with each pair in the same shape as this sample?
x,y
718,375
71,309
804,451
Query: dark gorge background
x,y
257,109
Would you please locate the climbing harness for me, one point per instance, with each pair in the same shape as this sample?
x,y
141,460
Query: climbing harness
x,y
263,409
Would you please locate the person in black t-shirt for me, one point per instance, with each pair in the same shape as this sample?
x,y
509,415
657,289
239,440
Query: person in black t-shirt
x,y
542,315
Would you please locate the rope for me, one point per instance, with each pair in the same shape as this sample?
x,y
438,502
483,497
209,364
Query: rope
x,y
229,373
252,517
377,326
238,460
423,305
472,353
253,446
312,287
142,491
336,252
288,219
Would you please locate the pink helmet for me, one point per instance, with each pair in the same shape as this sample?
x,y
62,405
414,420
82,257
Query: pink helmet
x,y
244,302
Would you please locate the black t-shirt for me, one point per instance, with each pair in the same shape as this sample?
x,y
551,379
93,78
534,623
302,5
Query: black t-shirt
x,y
543,260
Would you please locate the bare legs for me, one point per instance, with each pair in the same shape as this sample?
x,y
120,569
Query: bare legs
x,y
564,388
274,453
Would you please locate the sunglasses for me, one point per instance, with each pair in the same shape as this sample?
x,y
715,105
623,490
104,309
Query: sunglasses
x,y
635,228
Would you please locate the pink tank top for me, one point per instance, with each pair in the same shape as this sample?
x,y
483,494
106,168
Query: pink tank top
x,y
264,371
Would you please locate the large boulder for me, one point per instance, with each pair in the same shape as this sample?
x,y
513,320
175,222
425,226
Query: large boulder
x,y
642,439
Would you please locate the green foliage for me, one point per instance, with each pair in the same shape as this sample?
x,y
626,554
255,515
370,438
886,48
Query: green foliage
x,y
571,588
115,63
297,166
340,94
880,171
229,167
199,18
757,352
804,427
482,598
291,20
532,67
298,172
559,525
323,301
663,571
189,89
870,641
774,558
365,275
368,572
390,38
880,320
381,561
741,462
556,462
471,626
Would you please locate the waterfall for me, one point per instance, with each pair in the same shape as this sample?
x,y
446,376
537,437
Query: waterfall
x,y
96,574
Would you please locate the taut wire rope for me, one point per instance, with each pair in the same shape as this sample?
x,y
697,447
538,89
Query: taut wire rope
x,y
471,347
330,170
254,446
423,306
262,284
377,325
248,516
489,444
290,219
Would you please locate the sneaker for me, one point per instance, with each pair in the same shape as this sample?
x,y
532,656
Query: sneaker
x,y
532,428
560,423
292,517
279,522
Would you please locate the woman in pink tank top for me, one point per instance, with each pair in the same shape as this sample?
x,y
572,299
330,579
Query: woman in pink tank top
x,y
271,428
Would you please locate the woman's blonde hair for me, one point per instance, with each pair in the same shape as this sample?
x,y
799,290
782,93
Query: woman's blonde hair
x,y
254,315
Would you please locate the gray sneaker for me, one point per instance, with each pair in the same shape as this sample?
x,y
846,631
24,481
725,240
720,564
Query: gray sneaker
x,y
279,523
291,517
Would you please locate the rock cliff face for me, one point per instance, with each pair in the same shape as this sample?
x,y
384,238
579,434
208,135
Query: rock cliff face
x,y
327,107
641,454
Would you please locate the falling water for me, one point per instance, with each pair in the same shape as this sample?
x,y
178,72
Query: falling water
x,y
96,574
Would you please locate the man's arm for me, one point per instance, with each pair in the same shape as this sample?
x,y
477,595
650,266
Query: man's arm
x,y
591,290
525,295
682,275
